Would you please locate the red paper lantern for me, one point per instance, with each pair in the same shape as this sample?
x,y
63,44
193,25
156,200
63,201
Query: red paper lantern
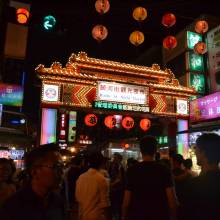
x,y
168,20
200,48
145,124
22,15
201,27
128,122
99,32
102,6
169,42
91,120
110,121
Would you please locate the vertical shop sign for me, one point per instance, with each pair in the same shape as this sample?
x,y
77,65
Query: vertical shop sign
x,y
192,39
72,126
62,133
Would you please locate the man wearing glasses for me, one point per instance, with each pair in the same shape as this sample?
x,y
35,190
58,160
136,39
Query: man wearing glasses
x,y
38,199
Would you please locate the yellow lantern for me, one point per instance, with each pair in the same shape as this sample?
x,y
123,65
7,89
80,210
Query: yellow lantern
x,y
136,38
99,32
201,26
102,6
140,14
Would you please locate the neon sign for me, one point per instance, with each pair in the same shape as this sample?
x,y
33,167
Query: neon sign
x,y
121,107
207,107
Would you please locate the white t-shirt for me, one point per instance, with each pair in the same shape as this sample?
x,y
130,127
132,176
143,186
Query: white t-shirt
x,y
92,194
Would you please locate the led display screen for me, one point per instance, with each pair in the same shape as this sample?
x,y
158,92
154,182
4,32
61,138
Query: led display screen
x,y
48,126
11,95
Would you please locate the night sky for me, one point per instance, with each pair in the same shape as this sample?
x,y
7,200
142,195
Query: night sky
x,y
72,34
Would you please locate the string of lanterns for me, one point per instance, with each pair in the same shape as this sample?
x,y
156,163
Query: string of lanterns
x,y
137,37
201,27
110,122
100,32
169,20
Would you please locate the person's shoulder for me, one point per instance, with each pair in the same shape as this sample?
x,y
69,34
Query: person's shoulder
x,y
13,202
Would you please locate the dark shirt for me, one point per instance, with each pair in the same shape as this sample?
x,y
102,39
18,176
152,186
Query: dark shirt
x,y
148,182
202,198
26,205
180,179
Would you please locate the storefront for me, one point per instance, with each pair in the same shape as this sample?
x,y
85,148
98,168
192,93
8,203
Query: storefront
x,y
90,98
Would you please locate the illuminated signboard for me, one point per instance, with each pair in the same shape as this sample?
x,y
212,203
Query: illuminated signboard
x,y
48,126
162,139
116,92
72,126
213,47
182,107
11,95
12,154
195,62
50,93
16,154
192,39
198,82
121,107
4,154
207,107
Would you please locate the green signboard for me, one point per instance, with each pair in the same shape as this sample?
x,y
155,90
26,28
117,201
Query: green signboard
x,y
192,39
195,62
162,140
198,82
121,106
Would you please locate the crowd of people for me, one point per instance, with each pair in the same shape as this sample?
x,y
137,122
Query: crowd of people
x,y
93,187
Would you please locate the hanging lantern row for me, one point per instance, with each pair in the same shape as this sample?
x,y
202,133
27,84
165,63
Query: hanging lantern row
x,y
169,42
140,14
200,48
136,38
102,6
201,26
110,122
99,32
168,20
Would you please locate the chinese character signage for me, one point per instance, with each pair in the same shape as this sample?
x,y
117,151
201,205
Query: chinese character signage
x,y
182,107
11,95
121,107
207,107
50,93
192,39
195,62
116,92
198,82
